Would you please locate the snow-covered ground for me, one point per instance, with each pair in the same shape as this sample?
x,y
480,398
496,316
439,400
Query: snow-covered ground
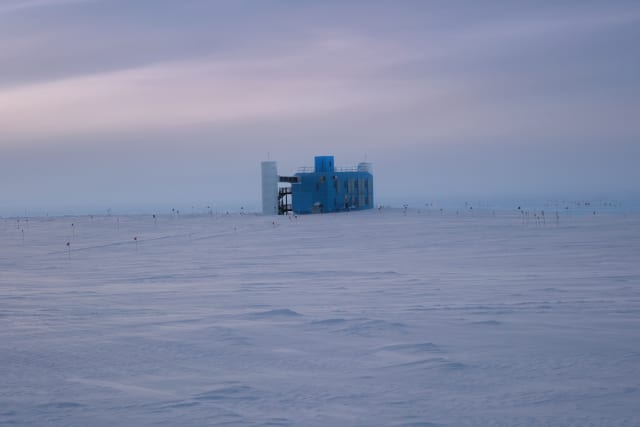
x,y
373,318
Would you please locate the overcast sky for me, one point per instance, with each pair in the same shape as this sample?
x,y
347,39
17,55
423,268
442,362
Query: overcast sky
x,y
164,102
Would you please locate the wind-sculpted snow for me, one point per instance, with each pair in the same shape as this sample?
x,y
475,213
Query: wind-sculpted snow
x,y
377,318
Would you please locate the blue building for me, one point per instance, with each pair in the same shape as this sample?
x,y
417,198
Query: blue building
x,y
329,189
323,188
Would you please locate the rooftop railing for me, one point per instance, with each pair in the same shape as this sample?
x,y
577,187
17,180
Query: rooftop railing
x,y
311,169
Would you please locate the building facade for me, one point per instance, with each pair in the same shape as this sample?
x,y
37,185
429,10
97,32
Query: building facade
x,y
330,189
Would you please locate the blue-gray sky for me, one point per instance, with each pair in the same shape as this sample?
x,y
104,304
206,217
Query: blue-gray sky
x,y
143,103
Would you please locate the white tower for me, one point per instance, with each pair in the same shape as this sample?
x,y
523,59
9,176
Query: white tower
x,y
269,188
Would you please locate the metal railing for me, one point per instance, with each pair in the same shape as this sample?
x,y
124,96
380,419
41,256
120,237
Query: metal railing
x,y
311,169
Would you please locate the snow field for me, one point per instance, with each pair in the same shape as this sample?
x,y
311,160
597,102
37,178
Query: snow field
x,y
371,318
